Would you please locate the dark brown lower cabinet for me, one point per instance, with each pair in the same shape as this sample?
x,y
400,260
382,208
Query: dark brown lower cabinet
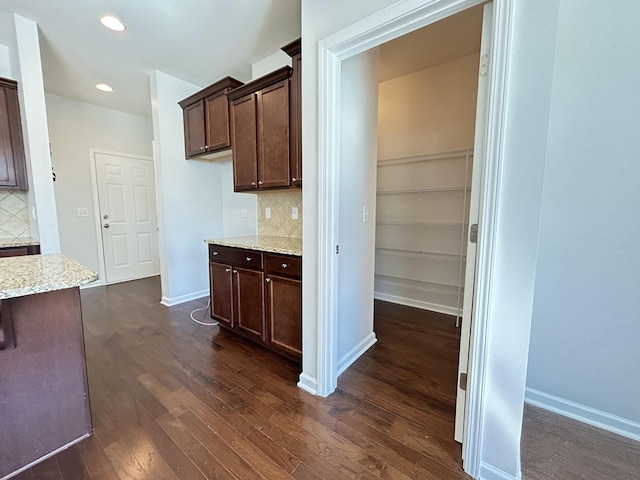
x,y
259,296
284,311
19,251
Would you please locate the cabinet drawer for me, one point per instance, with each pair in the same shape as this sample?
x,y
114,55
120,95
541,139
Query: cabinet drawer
x,y
235,256
283,265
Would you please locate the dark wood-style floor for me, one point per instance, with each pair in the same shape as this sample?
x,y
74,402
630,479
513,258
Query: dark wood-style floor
x,y
175,400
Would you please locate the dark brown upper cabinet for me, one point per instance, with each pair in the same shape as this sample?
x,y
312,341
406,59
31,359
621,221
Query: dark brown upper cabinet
x,y
207,119
260,129
294,51
13,174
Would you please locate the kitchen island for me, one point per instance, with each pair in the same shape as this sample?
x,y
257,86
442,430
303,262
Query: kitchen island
x,y
44,402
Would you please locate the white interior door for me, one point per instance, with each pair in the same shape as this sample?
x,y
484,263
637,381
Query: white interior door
x,y
127,204
474,212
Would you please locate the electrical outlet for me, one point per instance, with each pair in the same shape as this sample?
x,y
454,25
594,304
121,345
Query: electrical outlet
x,y
244,213
267,212
294,213
82,212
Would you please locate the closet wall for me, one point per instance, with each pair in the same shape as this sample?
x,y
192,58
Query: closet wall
x,y
426,126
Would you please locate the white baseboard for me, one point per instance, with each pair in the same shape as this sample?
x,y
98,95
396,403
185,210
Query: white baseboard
x,y
171,301
582,413
411,302
489,472
308,384
355,352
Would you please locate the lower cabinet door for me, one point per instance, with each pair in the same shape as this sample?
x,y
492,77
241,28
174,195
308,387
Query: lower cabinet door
x,y
221,291
284,314
249,302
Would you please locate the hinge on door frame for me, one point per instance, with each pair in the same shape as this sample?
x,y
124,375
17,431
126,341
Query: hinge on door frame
x,y
484,65
463,381
473,233
337,249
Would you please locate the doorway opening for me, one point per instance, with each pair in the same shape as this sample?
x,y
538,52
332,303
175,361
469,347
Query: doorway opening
x,y
125,209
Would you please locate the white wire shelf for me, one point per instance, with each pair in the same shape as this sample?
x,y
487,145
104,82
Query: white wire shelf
x,y
420,223
453,257
428,157
422,190
437,288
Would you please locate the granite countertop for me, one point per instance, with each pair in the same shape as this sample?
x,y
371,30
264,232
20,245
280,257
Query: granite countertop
x,y
18,242
265,243
31,274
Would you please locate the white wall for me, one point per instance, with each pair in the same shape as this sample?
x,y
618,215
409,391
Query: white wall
x,y
585,330
75,128
26,66
269,64
358,157
188,194
5,62
234,224
429,111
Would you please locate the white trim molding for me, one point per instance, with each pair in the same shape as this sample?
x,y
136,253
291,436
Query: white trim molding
x,y
488,472
366,343
411,302
582,413
187,297
308,384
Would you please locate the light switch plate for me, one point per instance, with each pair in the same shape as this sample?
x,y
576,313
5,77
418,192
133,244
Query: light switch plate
x,y
267,212
82,212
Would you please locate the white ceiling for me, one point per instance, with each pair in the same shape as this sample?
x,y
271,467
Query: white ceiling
x,y
199,41
443,41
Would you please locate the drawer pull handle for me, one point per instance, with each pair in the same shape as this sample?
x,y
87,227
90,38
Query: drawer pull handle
x,y
215,253
248,259
227,270
284,265
268,280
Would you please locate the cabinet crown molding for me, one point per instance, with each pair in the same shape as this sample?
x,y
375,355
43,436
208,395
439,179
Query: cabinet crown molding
x,y
219,86
261,82
292,48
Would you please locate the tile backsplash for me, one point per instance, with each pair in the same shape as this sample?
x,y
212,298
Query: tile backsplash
x,y
281,203
14,215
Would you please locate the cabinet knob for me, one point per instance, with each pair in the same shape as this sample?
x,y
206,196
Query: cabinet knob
x,y
203,148
206,146
284,265
253,184
294,179
268,280
235,271
260,182
227,270
248,259
215,253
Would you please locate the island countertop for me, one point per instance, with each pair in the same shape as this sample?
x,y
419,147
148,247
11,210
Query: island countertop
x,y
31,274
265,243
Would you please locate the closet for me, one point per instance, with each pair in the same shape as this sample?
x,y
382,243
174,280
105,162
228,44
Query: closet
x,y
426,124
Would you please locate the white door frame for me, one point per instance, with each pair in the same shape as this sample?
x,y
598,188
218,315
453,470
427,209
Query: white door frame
x,y
392,22
96,205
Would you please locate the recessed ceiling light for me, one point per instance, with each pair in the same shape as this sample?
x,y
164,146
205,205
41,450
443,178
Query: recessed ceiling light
x,y
104,87
112,23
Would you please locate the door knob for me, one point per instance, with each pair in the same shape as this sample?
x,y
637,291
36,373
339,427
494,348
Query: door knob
x,y
106,225
105,216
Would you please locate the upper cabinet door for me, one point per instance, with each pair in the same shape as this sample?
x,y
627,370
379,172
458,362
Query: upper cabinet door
x,y
217,119
194,129
13,174
245,154
273,135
